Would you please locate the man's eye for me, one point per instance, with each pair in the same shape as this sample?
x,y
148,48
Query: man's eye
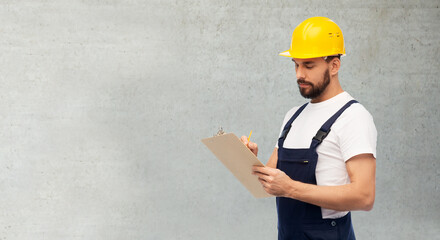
x,y
309,67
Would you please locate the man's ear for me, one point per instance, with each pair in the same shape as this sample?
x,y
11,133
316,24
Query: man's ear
x,y
334,66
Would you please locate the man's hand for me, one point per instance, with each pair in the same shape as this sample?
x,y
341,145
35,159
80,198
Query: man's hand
x,y
274,181
251,145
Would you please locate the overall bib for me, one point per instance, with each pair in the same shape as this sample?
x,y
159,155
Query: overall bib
x,y
299,220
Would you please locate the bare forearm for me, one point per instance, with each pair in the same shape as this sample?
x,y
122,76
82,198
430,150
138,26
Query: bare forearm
x,y
272,162
341,198
357,195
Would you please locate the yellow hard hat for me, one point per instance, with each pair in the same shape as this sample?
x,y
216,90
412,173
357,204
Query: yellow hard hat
x,y
316,37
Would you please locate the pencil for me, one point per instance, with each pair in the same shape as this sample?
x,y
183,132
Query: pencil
x,y
249,138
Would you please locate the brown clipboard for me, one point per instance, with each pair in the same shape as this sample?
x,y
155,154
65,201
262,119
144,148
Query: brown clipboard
x,y
238,159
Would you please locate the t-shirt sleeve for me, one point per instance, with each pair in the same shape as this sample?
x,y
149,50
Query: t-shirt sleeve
x,y
356,132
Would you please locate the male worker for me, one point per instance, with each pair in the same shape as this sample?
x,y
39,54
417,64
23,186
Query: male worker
x,y
324,163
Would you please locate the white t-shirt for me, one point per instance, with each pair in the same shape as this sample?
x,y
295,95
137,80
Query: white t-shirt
x,y
352,134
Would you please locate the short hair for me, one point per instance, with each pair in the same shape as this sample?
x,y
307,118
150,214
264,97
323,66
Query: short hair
x,y
330,58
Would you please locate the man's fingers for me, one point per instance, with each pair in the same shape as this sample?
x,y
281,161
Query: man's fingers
x,y
264,170
263,183
253,146
260,175
258,171
244,140
264,177
266,186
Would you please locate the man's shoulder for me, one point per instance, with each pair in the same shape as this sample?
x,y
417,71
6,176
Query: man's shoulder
x,y
357,111
353,119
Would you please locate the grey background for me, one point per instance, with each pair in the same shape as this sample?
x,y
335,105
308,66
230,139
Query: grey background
x,y
103,105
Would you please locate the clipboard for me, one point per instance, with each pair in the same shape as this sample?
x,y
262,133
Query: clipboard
x,y
238,159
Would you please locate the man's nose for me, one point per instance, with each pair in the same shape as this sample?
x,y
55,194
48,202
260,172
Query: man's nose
x,y
300,73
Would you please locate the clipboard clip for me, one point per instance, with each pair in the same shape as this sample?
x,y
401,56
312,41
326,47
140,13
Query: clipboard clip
x,y
219,132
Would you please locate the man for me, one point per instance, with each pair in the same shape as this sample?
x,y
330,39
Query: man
x,y
324,163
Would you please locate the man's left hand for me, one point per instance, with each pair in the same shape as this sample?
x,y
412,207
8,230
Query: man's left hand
x,y
274,181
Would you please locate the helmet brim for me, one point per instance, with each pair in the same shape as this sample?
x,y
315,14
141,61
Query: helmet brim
x,y
286,54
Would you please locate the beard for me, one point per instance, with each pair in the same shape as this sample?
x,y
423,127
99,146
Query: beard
x,y
315,90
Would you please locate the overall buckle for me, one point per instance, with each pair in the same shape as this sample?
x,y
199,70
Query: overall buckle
x,y
285,132
320,135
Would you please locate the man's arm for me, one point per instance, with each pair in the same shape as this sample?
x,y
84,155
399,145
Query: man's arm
x,y
359,194
273,159
254,149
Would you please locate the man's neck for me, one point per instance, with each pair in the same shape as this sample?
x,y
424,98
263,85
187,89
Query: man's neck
x,y
333,89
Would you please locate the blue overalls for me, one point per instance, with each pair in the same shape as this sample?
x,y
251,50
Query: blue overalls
x,y
299,220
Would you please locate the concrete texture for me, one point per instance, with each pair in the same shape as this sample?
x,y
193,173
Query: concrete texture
x,y
103,104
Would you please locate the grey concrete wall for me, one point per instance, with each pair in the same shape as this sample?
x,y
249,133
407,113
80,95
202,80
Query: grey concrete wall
x,y
103,104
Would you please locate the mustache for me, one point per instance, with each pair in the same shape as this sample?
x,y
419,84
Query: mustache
x,y
300,81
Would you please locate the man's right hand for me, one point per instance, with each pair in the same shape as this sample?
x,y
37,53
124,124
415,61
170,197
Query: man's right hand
x,y
251,145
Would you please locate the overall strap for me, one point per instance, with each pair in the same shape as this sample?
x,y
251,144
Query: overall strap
x,y
325,128
289,125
